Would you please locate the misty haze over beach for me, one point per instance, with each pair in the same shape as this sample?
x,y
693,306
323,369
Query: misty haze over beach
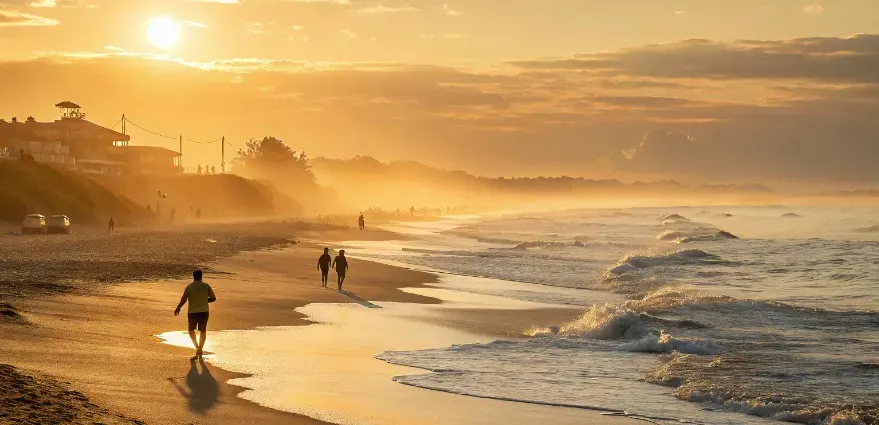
x,y
447,212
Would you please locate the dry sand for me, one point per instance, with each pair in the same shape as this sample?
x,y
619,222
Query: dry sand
x,y
101,339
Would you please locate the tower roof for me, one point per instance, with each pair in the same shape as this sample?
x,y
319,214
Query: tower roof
x,y
66,104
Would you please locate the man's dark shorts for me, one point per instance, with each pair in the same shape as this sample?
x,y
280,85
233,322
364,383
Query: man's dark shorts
x,y
200,320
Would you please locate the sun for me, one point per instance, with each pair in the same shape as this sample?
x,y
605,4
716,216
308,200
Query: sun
x,y
163,32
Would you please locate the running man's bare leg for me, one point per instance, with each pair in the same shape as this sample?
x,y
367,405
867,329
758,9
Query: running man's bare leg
x,y
201,340
192,337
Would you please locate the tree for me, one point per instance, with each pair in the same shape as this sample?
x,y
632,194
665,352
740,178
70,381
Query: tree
x,y
270,158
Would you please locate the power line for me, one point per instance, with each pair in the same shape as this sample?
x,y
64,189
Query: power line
x,y
128,121
117,123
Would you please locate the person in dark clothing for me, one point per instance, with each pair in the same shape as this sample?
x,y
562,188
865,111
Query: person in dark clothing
x,y
323,264
361,221
111,225
341,265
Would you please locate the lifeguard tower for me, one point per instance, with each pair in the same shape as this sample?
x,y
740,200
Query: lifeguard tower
x,y
70,111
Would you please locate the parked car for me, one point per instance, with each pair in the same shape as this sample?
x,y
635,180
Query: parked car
x,y
58,223
33,223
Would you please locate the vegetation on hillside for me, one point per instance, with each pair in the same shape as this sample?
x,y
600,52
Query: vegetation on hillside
x,y
29,188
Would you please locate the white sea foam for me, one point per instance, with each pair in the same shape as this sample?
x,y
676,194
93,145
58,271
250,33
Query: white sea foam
x,y
665,343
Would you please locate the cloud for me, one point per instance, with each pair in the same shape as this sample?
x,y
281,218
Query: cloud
x,y
448,10
708,119
813,9
215,1
447,36
339,2
349,33
827,59
195,24
10,18
381,9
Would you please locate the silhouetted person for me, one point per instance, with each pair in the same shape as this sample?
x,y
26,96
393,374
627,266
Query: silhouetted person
x,y
199,295
111,225
323,264
341,265
361,221
199,168
213,169
198,213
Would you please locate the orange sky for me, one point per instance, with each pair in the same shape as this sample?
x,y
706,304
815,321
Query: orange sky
x,y
497,87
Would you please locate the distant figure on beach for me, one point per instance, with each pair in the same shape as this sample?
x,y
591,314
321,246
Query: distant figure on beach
x,y
198,213
111,225
213,169
323,264
199,295
199,168
341,265
361,221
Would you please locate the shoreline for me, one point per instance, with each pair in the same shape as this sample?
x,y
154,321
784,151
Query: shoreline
x,y
139,377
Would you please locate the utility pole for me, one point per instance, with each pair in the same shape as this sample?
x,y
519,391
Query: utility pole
x,y
123,123
223,155
181,151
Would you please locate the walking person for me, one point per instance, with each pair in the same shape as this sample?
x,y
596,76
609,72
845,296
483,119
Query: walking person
x,y
341,265
199,295
323,264
111,225
361,221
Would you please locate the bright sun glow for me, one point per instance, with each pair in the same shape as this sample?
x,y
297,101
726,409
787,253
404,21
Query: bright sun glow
x,y
163,32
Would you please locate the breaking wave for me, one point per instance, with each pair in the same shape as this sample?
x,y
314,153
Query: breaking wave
x,y
548,244
665,343
636,262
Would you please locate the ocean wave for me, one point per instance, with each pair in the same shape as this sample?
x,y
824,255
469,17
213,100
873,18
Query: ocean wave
x,y
606,322
549,244
636,262
739,382
665,343
673,217
677,236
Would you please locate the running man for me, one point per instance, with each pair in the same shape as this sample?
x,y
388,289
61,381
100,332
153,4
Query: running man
x,y
323,264
199,295
341,265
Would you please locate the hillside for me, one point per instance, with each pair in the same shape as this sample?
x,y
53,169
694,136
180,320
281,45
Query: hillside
x,y
217,196
27,188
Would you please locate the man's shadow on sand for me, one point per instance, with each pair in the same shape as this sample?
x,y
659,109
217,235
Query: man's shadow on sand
x,y
359,300
202,390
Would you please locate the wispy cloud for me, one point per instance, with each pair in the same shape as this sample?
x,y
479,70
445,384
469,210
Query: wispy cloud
x,y
114,49
342,2
448,10
215,1
10,18
195,24
448,36
386,9
813,9
349,33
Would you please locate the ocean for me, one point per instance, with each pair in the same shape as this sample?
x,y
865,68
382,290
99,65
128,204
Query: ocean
x,y
733,315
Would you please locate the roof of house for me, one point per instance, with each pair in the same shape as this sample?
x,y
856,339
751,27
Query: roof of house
x,y
66,104
9,130
79,124
150,150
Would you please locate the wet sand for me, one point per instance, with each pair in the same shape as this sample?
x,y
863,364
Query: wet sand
x,y
102,341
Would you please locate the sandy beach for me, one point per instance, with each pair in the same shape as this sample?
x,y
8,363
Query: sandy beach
x,y
88,352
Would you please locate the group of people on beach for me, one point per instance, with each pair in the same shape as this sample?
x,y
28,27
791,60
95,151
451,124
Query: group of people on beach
x,y
340,263
199,295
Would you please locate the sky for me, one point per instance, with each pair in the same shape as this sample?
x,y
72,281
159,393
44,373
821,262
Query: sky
x,y
709,90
